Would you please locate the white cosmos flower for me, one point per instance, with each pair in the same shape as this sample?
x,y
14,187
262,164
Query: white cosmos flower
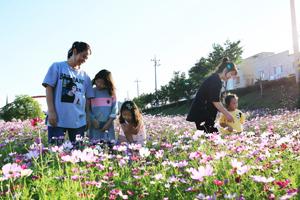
x,y
144,152
26,172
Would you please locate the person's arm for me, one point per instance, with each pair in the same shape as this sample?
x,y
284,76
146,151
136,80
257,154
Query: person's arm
x,y
87,111
126,132
220,107
133,131
223,123
52,118
128,136
108,124
229,128
113,114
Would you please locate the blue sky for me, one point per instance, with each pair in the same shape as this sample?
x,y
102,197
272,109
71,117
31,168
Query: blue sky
x,y
125,36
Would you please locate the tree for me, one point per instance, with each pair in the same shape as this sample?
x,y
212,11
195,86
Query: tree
x,y
163,94
199,72
188,90
150,99
141,101
177,85
22,108
206,66
232,50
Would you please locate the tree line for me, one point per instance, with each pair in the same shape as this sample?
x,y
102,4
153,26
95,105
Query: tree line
x,y
182,87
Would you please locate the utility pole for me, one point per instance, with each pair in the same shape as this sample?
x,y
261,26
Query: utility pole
x,y
127,96
137,82
155,65
295,40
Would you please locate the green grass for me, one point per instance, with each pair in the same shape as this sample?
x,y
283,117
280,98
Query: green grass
x,y
275,97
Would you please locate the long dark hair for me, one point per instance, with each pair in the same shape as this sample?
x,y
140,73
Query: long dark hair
x,y
108,80
135,112
80,47
226,64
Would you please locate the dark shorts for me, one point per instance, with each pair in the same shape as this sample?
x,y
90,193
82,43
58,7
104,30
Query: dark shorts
x,y
55,132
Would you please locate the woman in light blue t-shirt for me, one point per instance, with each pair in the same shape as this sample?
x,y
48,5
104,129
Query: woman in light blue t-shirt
x,y
67,88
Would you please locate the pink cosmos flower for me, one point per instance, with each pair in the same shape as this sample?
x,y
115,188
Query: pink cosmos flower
x,y
129,192
242,170
262,179
159,154
202,172
158,176
235,163
271,196
173,179
112,197
287,196
183,164
75,177
57,149
11,170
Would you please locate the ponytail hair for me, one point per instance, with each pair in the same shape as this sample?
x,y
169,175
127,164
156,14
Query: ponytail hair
x,y
108,80
226,64
80,47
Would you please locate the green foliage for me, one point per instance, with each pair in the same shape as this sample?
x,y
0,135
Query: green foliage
x,y
177,83
199,72
206,66
22,108
142,100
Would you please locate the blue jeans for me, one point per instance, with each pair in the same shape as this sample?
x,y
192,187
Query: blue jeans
x,y
59,131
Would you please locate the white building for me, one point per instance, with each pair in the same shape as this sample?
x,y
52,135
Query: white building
x,y
274,66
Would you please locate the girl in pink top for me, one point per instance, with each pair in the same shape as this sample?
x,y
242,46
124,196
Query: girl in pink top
x,y
132,127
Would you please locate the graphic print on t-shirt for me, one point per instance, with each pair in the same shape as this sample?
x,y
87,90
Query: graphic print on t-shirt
x,y
239,115
70,92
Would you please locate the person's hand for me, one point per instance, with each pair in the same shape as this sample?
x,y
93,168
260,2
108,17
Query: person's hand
x,y
105,127
229,118
96,124
229,128
127,127
52,118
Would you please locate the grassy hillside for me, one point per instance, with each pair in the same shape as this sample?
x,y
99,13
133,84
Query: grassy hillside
x,y
276,94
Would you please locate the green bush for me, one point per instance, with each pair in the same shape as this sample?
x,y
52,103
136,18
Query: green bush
x,y
22,108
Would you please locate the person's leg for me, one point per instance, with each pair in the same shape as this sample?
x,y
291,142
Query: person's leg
x,y
208,125
54,133
198,126
75,131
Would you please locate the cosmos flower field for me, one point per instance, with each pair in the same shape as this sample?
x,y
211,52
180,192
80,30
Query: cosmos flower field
x,y
178,162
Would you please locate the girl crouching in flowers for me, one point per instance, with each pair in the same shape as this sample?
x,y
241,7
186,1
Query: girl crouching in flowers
x,y
131,123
